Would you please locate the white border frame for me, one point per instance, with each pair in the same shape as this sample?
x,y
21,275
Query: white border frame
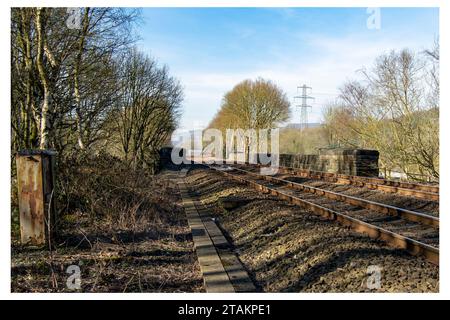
x,y
5,251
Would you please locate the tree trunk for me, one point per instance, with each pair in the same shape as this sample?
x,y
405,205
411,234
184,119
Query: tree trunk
x,y
76,75
44,128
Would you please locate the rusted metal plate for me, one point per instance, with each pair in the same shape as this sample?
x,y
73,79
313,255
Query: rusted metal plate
x,y
31,199
36,180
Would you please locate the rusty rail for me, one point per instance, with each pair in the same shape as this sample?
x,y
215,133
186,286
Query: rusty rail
x,y
412,246
422,191
367,204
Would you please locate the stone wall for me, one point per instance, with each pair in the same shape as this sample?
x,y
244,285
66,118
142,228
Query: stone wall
x,y
358,162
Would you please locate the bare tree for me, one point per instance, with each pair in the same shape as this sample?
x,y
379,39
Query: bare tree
x,y
57,73
394,110
148,108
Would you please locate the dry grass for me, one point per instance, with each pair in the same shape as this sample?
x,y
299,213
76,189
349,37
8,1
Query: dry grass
x,y
125,230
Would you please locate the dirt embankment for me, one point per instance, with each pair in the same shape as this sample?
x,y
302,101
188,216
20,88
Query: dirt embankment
x,y
287,249
145,246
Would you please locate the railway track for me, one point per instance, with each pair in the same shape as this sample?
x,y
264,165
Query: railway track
x,y
418,233
389,203
417,190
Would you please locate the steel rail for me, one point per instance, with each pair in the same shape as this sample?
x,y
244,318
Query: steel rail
x,y
367,204
420,191
412,246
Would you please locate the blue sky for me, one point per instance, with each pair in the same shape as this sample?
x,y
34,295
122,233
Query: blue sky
x,y
211,49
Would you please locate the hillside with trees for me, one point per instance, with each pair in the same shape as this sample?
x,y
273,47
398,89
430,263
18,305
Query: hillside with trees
x,y
86,88
395,110
82,88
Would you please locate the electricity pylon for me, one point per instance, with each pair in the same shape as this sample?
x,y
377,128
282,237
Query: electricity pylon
x,y
303,106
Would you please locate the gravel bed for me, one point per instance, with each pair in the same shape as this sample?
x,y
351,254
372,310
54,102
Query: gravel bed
x,y
287,249
393,199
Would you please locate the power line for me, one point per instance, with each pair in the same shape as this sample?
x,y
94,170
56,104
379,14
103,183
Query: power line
x,y
304,106
326,93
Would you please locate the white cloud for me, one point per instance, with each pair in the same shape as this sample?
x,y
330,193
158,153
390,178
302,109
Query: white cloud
x,y
337,60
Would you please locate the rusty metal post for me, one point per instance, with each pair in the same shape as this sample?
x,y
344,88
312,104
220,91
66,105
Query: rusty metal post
x,y
36,181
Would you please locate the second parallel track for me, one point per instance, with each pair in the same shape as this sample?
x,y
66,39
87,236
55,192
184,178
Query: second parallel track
x,y
415,232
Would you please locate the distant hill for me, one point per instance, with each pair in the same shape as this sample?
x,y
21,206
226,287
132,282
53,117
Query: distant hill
x,y
197,133
298,125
